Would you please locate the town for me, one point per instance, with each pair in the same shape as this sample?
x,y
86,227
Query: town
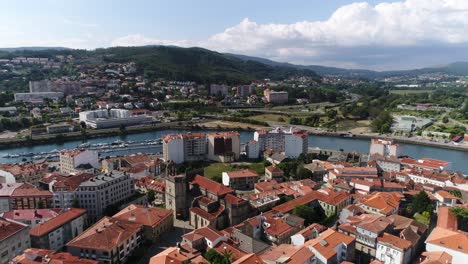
x,y
234,132
278,201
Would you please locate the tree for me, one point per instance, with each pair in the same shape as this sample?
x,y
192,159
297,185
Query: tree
x,y
310,214
40,204
382,123
75,203
150,196
216,258
422,202
445,120
456,193
303,173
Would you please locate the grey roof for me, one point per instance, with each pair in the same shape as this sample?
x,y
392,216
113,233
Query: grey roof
x,y
103,178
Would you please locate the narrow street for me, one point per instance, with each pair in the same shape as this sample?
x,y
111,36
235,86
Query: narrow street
x,y
169,239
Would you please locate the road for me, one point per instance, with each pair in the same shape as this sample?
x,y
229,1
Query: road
x,y
169,239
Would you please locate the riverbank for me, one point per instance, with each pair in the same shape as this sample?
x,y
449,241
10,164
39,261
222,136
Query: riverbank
x,y
412,141
6,143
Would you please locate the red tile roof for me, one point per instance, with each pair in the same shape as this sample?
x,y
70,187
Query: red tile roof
x,y
147,216
394,241
242,174
31,214
106,234
236,252
206,232
29,190
385,202
327,241
249,259
208,216
212,186
9,228
56,222
40,256
232,199
455,240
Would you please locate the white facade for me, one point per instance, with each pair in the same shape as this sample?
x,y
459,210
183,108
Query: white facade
x,y
173,149
288,141
384,148
104,118
424,180
293,145
31,97
457,256
253,149
391,255
70,160
6,177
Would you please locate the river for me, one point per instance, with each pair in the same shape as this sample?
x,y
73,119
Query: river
x,y
458,158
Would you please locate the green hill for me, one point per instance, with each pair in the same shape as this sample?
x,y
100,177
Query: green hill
x,y
197,64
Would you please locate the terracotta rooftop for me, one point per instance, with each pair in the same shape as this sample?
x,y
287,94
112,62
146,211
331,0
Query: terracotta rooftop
x,y
9,227
212,186
249,259
242,174
436,257
56,222
327,241
66,183
31,214
41,256
211,216
385,202
28,190
394,241
236,252
232,199
274,169
205,232
105,235
450,239
147,216
170,255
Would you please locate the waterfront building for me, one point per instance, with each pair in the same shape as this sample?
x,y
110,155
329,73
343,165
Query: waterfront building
x,y
223,146
290,142
104,118
76,160
385,148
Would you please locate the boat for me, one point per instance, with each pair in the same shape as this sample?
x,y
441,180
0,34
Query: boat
x,y
84,145
5,155
118,142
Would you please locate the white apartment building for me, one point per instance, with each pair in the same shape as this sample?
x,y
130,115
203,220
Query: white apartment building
x,y
104,118
252,149
295,144
96,194
40,96
223,146
70,160
173,148
384,148
290,141
219,146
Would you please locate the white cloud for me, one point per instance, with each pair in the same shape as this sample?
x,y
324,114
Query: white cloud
x,y
359,27
141,40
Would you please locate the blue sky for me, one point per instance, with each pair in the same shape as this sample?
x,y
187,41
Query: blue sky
x,y
345,33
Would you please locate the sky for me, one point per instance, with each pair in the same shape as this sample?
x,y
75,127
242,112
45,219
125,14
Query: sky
x,y
377,34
